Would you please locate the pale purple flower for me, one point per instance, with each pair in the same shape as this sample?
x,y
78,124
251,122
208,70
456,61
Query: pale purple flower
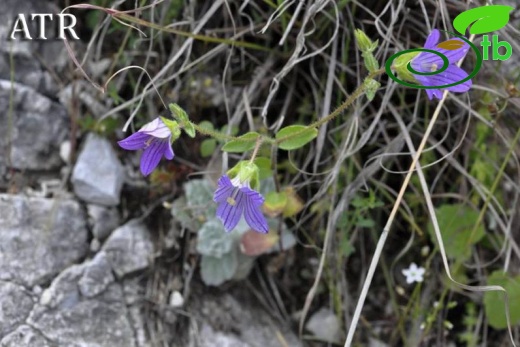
x,y
236,198
155,139
429,62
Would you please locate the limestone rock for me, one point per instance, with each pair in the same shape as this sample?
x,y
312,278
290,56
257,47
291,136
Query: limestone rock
x,y
129,248
40,237
98,175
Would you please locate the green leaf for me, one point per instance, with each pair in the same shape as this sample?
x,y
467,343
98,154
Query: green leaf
x,y
295,136
494,301
213,240
486,19
264,167
242,144
456,223
234,130
180,115
207,147
215,271
206,125
275,203
365,223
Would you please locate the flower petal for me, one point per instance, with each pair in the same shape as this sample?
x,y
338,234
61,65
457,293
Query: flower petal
x,y
451,75
156,128
230,214
168,153
152,155
134,141
426,62
224,190
432,39
425,81
252,212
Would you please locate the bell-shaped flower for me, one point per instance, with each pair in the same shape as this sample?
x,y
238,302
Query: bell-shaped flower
x,y
155,138
425,62
235,198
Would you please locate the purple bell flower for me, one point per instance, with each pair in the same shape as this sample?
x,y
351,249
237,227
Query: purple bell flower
x,y
236,198
155,138
429,62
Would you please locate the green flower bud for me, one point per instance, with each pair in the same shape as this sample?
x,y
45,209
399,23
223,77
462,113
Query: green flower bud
x,y
364,43
370,87
401,66
174,128
246,172
179,114
370,62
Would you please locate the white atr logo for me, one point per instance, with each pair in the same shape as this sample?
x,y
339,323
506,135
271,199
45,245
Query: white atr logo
x,y
21,29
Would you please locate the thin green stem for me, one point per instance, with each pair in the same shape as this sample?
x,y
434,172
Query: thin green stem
x,y
346,104
266,139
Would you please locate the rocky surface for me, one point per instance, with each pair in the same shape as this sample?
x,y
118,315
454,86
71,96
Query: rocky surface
x,y
129,248
25,336
15,305
98,175
40,238
30,137
102,220
224,320
77,310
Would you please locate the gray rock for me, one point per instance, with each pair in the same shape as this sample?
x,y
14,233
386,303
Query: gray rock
x,y
103,220
209,338
98,175
129,248
40,237
39,125
236,323
68,318
325,326
25,336
15,305
96,277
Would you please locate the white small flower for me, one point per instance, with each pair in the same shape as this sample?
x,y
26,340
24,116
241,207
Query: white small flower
x,y
414,273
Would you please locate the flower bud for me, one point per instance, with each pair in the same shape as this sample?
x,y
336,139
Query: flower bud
x,y
247,173
174,128
370,87
364,43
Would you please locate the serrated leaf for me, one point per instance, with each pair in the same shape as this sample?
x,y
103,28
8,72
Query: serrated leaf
x,y
295,136
242,144
207,147
456,223
215,271
486,19
213,240
264,168
494,301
